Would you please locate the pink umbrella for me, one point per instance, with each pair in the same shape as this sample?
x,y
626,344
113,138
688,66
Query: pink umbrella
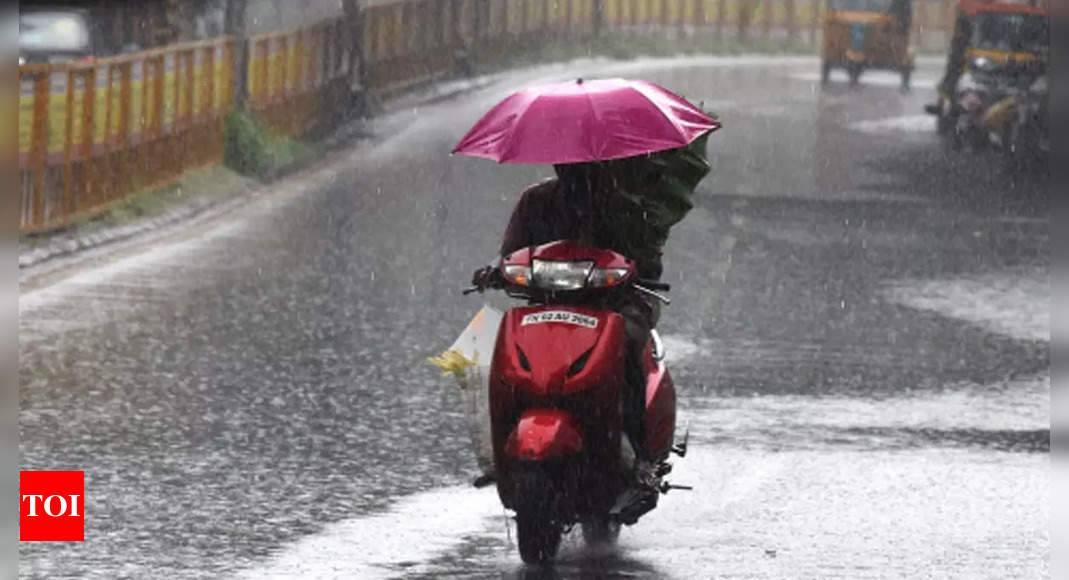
x,y
581,121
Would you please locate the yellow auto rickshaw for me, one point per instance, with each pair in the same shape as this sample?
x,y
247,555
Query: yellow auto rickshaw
x,y
867,34
998,47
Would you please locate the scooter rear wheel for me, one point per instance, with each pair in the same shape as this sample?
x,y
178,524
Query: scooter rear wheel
x,y
538,525
538,537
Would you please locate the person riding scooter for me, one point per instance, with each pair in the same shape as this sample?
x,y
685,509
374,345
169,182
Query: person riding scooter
x,y
577,376
598,203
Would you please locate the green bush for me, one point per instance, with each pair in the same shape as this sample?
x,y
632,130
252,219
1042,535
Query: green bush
x,y
247,149
253,149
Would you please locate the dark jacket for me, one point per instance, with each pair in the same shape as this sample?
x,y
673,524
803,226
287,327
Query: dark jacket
x,y
544,214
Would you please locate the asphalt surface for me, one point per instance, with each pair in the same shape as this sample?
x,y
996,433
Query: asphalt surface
x,y
858,331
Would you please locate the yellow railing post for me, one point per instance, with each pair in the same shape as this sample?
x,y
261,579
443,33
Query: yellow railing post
x,y
67,205
41,89
105,185
89,187
814,21
123,155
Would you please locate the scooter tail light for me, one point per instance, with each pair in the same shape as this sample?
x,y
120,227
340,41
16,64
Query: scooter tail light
x,y
518,274
606,277
559,275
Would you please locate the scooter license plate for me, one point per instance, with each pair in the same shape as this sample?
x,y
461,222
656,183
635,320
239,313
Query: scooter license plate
x,y
560,316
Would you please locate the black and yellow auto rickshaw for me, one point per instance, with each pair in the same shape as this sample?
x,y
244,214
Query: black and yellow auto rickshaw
x,y
868,34
998,49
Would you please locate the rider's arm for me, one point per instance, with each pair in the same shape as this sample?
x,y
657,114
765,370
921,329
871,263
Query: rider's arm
x,y
532,218
518,233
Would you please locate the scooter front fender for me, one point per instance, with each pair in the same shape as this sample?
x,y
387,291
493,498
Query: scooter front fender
x,y
544,434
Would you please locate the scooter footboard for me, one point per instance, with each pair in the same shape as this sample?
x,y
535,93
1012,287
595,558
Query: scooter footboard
x,y
542,434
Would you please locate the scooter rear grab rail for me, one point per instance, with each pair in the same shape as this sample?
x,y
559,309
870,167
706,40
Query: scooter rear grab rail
x,y
647,287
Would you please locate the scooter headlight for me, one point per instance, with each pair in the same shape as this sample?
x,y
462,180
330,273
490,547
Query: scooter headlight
x,y
554,275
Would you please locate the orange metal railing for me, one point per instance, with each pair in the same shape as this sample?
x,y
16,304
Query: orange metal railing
x,y
298,79
94,132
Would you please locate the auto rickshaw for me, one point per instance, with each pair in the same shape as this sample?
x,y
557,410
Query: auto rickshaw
x,y
868,34
998,50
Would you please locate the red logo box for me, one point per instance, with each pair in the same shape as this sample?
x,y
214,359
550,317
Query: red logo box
x,y
51,506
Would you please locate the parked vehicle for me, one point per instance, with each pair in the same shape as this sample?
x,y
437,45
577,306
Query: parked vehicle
x,y
867,34
54,35
556,381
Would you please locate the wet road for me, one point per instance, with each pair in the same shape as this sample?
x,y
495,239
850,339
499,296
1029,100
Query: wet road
x,y
859,333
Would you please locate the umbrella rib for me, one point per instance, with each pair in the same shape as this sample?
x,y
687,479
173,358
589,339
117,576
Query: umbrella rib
x,y
657,105
594,111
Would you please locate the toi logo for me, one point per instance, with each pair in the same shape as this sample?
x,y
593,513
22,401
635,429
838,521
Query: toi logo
x,y
51,506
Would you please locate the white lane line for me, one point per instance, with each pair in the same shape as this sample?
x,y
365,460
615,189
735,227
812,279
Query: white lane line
x,y
414,531
1016,303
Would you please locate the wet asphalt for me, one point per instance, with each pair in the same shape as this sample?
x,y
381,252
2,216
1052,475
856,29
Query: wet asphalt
x,y
858,333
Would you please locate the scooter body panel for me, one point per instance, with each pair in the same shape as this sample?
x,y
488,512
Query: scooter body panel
x,y
543,434
555,385
660,408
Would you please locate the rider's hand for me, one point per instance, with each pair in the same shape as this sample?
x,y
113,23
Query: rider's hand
x,y
484,277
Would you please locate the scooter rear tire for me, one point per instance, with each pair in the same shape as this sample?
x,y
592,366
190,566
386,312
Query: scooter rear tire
x,y
539,538
538,525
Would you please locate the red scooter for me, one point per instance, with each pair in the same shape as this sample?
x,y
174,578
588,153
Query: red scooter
x,y
560,454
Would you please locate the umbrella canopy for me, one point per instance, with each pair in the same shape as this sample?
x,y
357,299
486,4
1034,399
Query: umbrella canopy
x,y
580,121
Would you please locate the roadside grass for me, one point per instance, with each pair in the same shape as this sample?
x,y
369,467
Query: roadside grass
x,y
252,154
198,185
251,148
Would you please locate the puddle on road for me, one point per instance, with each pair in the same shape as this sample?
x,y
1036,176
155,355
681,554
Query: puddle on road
x,y
948,482
1016,304
916,124
838,514
417,528
873,78
1013,416
785,485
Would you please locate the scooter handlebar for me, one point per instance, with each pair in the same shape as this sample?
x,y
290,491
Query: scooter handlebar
x,y
655,285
